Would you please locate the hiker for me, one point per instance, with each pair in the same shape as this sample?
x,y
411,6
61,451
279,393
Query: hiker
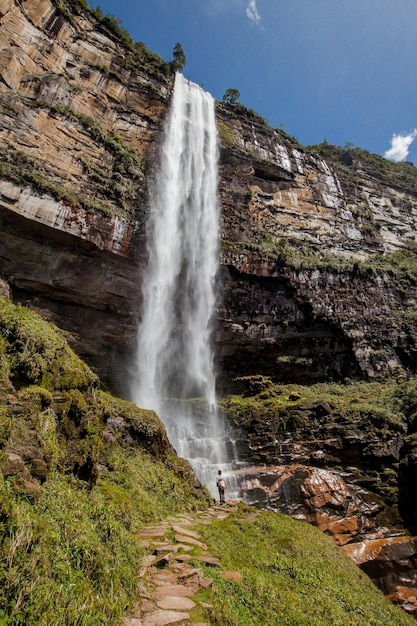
x,y
221,486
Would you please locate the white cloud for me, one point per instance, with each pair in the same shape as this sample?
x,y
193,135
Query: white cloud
x,y
252,12
400,146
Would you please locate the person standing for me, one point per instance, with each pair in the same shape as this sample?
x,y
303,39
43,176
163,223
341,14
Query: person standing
x,y
221,486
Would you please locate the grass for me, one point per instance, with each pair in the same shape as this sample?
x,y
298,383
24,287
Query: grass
x,y
71,507
293,575
72,556
69,519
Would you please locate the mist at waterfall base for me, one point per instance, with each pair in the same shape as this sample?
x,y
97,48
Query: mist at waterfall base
x,y
174,369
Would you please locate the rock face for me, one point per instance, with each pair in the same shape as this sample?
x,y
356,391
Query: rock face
x,y
284,313
82,112
311,494
78,121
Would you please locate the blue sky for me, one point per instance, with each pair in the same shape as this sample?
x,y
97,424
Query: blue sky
x,y
339,70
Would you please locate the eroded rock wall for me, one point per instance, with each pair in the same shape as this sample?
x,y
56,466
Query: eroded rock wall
x,y
79,124
283,313
82,112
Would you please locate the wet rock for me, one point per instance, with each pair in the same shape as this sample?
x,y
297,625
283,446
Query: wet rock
x,y
389,562
313,494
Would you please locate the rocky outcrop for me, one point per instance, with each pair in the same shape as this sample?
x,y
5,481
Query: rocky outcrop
x,y
311,494
82,111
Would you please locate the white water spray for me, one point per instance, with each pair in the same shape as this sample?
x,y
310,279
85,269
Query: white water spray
x,y
175,359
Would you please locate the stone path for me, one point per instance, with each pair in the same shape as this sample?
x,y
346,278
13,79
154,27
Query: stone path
x,y
169,576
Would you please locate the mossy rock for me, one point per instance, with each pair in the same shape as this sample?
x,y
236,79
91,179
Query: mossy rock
x,y
133,425
37,353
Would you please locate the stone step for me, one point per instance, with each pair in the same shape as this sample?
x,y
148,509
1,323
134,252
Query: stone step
x,y
169,581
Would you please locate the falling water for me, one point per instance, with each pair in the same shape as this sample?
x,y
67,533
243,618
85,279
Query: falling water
x,y
175,371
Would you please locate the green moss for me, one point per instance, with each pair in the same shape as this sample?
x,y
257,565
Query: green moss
x,y
38,354
374,407
144,426
5,427
39,397
226,134
4,361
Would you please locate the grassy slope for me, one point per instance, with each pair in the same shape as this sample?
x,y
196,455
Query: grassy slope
x,y
68,549
293,575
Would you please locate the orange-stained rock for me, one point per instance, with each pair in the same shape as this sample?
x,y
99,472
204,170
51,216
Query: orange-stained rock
x,y
405,597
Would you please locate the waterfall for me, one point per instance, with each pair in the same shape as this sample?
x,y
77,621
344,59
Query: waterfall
x,y
175,370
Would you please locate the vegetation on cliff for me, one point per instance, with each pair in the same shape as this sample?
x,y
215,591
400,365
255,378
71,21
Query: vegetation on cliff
x,y
368,424
353,163
400,265
139,55
81,472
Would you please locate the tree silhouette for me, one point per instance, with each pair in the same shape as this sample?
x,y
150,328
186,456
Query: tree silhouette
x,y
231,96
179,60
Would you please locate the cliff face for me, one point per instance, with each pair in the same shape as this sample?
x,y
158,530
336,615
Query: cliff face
x,y
305,295
80,115
318,277
81,118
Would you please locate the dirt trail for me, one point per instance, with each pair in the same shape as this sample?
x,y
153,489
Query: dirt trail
x,y
169,576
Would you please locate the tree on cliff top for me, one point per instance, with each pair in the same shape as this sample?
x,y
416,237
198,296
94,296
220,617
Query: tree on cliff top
x,y
179,60
231,96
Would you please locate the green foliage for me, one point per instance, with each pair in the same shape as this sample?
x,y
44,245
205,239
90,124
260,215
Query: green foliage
x,y
144,426
179,58
69,553
114,25
292,573
66,560
231,96
373,407
140,488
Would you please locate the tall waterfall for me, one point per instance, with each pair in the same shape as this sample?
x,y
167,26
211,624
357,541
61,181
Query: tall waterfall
x,y
174,354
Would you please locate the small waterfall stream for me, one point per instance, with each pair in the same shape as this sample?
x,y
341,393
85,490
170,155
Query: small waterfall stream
x,y
175,370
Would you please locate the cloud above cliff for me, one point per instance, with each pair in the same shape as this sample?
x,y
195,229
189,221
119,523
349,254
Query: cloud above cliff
x,y
400,146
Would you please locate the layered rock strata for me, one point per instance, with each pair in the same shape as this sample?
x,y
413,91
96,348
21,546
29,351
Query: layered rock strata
x,y
82,112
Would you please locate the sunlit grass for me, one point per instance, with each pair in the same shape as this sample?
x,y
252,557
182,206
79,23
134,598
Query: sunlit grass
x,y
293,575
